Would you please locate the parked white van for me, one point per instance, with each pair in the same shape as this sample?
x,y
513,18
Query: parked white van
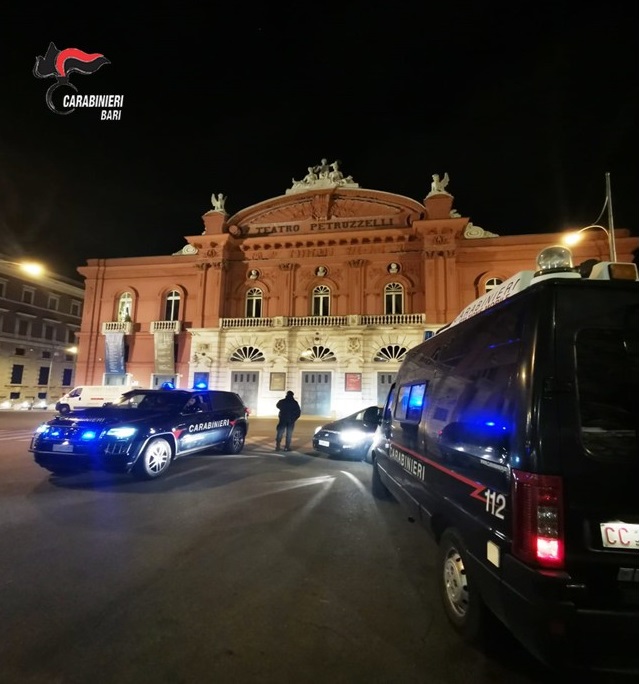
x,y
86,396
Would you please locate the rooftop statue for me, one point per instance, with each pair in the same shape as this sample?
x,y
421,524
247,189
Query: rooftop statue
x,y
438,186
324,175
218,202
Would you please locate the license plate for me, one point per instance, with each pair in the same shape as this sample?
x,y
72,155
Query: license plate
x,y
620,535
66,448
323,442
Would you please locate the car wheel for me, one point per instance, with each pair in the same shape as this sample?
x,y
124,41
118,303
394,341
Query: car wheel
x,y
462,602
64,409
154,460
235,443
379,489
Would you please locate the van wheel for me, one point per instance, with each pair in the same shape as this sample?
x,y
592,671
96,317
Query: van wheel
x,y
235,443
463,604
64,409
379,489
154,460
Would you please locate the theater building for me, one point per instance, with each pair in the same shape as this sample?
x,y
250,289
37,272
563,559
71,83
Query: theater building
x,y
321,290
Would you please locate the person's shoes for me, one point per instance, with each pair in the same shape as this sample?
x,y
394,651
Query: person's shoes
x,y
278,447
287,448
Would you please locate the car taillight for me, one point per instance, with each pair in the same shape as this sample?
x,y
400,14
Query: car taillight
x,y
538,519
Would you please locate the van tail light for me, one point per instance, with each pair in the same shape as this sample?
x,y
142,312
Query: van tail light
x,y
538,519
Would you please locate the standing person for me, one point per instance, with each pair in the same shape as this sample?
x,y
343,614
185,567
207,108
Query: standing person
x,y
290,411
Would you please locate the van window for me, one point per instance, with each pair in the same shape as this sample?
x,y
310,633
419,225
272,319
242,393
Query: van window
x,y
410,402
479,365
607,372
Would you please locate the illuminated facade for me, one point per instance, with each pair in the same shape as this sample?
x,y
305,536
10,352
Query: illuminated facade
x,y
321,290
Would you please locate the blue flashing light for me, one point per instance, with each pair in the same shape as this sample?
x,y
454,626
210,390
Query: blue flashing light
x,y
200,385
167,386
88,435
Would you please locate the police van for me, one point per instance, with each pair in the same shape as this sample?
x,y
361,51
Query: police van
x,y
511,435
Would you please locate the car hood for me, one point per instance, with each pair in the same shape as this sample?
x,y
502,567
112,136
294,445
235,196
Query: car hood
x,y
109,416
344,424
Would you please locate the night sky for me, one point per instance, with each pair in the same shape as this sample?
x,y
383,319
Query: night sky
x,y
525,105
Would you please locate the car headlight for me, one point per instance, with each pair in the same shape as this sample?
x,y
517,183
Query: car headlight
x,y
354,436
121,432
41,429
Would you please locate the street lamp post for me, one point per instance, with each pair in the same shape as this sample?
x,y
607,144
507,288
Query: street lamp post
x,y
574,237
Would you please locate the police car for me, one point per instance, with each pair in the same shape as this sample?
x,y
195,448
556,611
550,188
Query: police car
x,y
142,433
512,435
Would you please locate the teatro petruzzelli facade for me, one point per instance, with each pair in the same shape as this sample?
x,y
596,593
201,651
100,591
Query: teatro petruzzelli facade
x,y
321,290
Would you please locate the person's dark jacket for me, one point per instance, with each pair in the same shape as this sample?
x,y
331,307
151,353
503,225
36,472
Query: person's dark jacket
x,y
289,410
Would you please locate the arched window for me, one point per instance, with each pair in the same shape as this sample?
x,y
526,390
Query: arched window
x,y
391,352
247,354
172,306
321,301
317,353
125,307
492,283
254,303
394,298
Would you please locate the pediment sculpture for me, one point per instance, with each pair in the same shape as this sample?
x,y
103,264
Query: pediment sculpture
x,y
322,176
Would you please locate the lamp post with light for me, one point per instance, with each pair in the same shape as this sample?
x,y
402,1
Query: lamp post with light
x,y
575,236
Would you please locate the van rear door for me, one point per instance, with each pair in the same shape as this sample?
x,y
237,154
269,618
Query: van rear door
x,y
597,450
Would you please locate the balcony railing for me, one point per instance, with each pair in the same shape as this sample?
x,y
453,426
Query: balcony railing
x,y
165,326
324,321
117,326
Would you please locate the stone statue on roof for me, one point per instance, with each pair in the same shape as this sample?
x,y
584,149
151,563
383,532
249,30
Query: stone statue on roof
x,y
438,186
218,202
324,175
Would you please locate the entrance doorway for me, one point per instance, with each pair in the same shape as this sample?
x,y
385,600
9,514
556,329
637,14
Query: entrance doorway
x,y
316,394
246,384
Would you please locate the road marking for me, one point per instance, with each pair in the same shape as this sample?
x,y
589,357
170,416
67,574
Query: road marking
x,y
16,435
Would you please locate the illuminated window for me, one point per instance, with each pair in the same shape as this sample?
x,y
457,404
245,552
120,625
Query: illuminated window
x,y
172,306
125,307
254,303
393,298
492,283
321,301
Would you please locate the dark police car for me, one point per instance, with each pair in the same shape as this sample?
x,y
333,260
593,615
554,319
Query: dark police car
x,y
142,433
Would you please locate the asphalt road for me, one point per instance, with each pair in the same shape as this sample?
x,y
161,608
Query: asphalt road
x,y
261,567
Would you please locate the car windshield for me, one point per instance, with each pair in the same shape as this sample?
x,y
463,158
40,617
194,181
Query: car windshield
x,y
152,401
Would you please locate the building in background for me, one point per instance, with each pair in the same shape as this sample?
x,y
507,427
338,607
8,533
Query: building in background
x,y
321,290
40,317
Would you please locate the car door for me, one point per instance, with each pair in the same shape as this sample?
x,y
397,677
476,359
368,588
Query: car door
x,y
195,423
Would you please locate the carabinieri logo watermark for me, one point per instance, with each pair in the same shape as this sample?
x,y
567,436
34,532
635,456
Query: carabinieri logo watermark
x,y
60,64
